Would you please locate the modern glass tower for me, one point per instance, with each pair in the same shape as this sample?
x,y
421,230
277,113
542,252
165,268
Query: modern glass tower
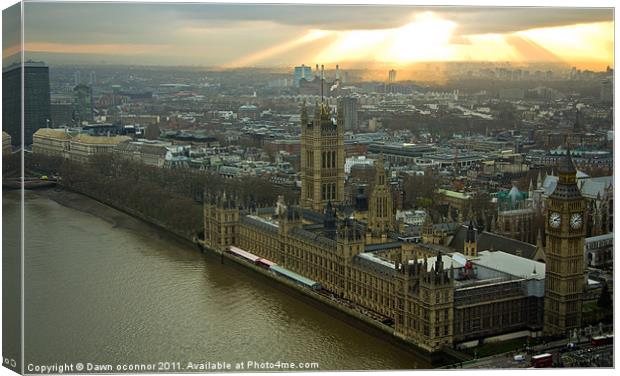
x,y
37,109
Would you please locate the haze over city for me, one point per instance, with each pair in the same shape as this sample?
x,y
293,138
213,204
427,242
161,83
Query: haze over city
x,y
283,188
234,35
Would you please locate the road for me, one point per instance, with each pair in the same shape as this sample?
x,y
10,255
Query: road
x,y
585,355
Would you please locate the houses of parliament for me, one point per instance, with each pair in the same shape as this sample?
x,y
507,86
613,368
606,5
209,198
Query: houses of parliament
x,y
431,294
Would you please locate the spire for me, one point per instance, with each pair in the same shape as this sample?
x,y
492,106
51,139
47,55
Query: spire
x,y
567,174
304,113
322,78
538,181
577,125
539,242
565,163
471,232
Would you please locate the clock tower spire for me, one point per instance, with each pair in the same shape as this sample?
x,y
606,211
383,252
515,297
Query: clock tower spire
x,y
564,272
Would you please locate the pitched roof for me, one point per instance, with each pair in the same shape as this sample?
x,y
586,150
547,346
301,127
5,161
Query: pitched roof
x,y
490,241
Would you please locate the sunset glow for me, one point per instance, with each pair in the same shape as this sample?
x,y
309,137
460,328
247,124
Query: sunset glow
x,y
269,35
430,38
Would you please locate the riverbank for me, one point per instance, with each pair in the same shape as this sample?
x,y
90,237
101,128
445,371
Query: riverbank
x,y
144,297
118,217
335,309
128,220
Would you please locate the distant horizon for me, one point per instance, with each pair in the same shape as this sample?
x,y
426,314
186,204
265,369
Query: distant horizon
x,y
329,66
284,35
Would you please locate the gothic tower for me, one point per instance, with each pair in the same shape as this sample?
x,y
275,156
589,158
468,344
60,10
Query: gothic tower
x,y
322,158
470,247
424,303
564,274
221,216
380,216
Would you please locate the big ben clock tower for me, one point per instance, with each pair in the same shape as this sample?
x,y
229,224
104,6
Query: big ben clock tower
x,y
564,270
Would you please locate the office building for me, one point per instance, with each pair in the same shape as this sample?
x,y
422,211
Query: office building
x,y
302,72
392,76
349,105
36,105
83,104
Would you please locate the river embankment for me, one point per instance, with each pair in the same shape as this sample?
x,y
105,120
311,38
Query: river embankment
x,y
128,219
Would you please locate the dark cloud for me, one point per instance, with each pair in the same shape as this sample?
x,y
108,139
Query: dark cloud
x,y
234,30
472,20
139,20
505,20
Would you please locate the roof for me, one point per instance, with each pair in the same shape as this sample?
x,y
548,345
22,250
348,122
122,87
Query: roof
x,y
510,264
598,238
591,187
293,275
376,259
551,181
566,165
490,241
513,195
381,246
313,237
454,194
448,262
100,140
53,133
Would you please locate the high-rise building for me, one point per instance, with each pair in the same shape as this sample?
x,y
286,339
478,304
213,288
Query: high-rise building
x,y
349,107
322,158
566,232
62,109
392,76
607,91
302,72
36,105
77,78
93,78
83,103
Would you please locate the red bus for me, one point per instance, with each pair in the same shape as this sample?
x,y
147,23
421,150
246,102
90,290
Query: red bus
x,y
542,360
603,340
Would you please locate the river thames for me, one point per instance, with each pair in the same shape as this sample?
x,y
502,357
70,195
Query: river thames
x,y
115,290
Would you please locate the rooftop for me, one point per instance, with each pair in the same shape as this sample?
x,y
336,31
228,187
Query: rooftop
x,y
511,264
54,133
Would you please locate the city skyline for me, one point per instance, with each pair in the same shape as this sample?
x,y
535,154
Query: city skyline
x,y
261,35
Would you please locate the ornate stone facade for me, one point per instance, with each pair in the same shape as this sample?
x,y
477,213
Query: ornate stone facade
x,y
566,231
322,158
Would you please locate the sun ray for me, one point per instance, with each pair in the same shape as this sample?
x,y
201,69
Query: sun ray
x,y
248,60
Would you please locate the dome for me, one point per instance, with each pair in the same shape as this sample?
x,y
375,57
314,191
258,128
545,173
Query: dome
x,y
515,195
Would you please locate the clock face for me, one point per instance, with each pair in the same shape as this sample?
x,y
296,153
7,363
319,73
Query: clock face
x,y
554,220
575,221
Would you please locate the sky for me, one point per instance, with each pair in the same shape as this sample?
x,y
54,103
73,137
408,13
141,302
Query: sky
x,y
233,35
